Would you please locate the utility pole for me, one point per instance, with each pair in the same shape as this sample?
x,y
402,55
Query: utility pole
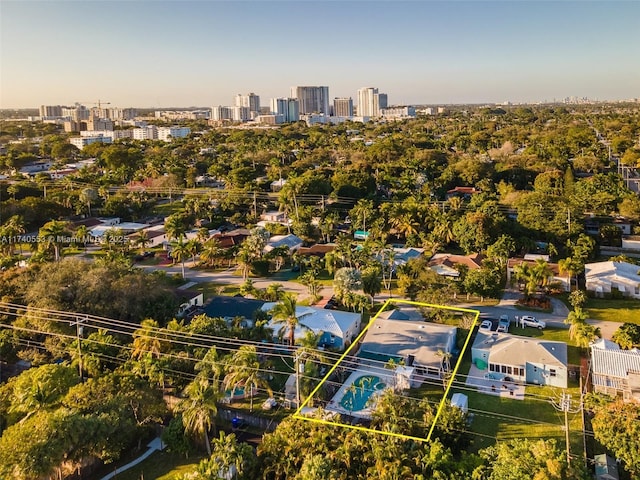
x,y
79,329
565,406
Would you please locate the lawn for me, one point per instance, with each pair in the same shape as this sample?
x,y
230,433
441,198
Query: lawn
x,y
614,310
161,466
164,209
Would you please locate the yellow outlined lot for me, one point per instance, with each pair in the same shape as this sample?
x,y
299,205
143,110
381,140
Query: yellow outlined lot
x,y
354,345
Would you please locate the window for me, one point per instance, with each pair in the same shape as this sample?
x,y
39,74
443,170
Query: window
x,y
522,372
552,372
503,368
492,367
509,370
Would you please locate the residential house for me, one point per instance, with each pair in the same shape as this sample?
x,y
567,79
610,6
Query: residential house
x,y
562,280
336,328
230,308
446,264
608,277
232,238
277,185
523,359
403,334
274,216
317,250
291,241
615,371
462,192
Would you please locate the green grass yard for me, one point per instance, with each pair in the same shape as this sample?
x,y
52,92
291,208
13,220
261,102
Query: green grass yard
x,y
161,466
614,310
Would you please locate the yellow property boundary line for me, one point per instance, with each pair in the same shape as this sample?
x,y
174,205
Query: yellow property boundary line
x,y
354,344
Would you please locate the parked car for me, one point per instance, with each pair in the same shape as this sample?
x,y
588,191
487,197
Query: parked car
x,y
529,321
503,324
486,325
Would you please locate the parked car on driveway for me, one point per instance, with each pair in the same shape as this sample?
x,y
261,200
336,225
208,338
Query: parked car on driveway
x,y
529,321
486,325
503,324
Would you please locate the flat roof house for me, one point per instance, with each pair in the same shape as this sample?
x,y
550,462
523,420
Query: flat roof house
x,y
406,336
605,277
523,359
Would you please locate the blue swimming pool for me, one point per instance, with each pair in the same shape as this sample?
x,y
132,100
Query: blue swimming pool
x,y
358,394
493,376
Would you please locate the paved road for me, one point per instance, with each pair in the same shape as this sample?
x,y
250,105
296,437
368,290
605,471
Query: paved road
x,y
507,305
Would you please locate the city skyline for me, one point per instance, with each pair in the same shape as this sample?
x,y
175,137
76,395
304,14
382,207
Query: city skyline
x,y
148,54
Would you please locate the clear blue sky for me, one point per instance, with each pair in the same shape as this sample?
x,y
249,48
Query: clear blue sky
x,y
152,53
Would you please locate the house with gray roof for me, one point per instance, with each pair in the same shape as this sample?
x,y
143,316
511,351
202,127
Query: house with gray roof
x,y
523,359
403,334
615,371
292,242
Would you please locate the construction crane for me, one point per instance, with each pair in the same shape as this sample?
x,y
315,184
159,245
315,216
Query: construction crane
x,y
99,103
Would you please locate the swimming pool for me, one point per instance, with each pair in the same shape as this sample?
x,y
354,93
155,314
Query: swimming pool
x,y
358,393
493,376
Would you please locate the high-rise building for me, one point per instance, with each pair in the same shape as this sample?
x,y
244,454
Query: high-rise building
x,y
250,100
312,99
50,111
370,102
240,114
343,107
289,108
221,113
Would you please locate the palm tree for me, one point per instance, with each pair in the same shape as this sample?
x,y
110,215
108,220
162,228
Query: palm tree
x,y
147,341
81,235
540,273
571,267
179,251
245,370
199,409
174,227
583,333
193,247
53,233
88,195
285,312
210,369
211,251
143,240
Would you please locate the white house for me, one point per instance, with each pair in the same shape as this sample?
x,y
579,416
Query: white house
x,y
291,241
523,359
615,371
337,328
605,277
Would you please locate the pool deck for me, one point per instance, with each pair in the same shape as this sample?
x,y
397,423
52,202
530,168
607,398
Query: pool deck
x,y
334,405
498,388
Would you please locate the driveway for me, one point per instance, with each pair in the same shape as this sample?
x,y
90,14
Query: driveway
x,y
556,319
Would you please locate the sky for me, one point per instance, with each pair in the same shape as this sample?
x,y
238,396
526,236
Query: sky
x,y
181,53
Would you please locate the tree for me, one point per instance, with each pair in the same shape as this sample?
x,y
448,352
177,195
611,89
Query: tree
x,y
345,281
199,409
193,247
371,281
229,460
87,197
285,312
147,340
179,252
627,336
577,299
571,267
52,235
484,282
244,370
142,240
617,427
211,251
534,459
